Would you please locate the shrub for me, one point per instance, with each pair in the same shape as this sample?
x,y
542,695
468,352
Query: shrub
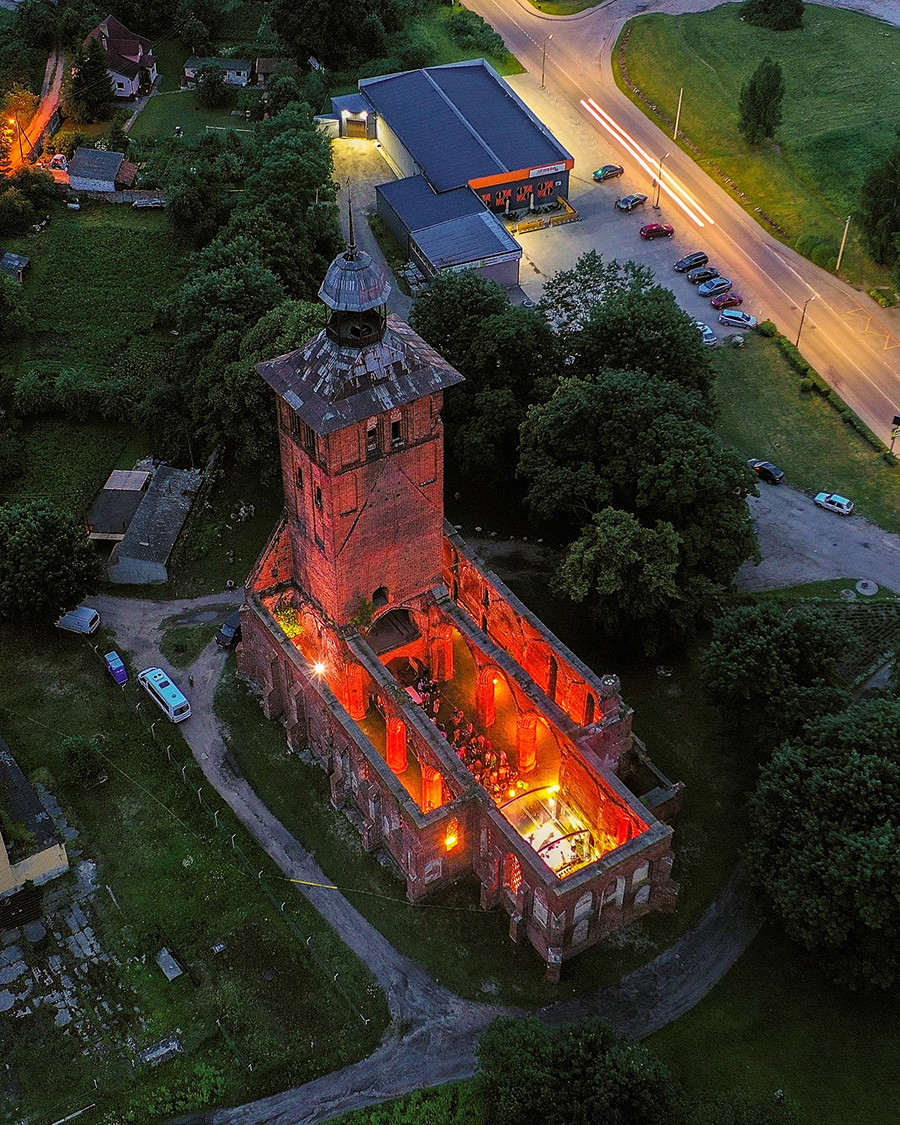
x,y
16,212
767,329
418,51
806,385
469,31
807,242
881,298
825,254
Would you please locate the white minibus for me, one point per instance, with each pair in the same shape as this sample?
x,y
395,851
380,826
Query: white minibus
x,y
165,694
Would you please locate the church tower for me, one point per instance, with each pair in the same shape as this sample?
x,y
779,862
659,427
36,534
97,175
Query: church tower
x,y
361,444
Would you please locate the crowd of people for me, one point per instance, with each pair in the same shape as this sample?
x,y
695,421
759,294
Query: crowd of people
x,y
490,765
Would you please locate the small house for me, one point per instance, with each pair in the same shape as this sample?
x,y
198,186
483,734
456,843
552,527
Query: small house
x,y
129,58
264,70
92,169
236,71
14,265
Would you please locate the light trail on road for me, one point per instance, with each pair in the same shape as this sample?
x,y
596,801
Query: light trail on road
x,y
678,194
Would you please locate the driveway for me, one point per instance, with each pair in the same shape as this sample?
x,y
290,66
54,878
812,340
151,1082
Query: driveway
x,y
803,543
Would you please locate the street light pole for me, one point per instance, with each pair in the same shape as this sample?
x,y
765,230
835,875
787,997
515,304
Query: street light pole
x,y
803,317
544,58
843,245
15,121
678,114
659,179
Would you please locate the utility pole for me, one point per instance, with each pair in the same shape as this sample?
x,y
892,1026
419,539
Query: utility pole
x,y
803,317
15,121
843,245
678,114
544,58
659,179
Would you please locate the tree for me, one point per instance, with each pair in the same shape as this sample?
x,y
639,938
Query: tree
x,y
118,140
770,671
777,15
331,33
627,574
212,90
570,295
12,307
450,311
88,94
196,35
879,207
760,102
583,1072
47,562
20,103
82,762
824,840
641,328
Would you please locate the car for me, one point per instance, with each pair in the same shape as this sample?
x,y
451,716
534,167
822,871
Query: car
x,y
710,339
834,503
766,471
629,202
702,273
734,318
726,300
657,230
229,631
713,286
83,619
691,261
608,172
116,667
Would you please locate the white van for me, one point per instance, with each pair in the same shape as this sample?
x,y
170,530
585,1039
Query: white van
x,y
165,694
80,620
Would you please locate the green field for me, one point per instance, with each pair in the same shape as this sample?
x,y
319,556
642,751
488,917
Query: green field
x,y
765,415
841,111
157,120
182,644
169,871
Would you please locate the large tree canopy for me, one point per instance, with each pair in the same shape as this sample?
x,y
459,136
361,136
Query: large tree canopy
x,y
825,837
879,207
760,102
87,94
47,562
769,670
452,309
778,15
570,295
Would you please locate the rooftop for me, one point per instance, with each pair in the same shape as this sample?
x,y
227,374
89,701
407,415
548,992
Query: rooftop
x,y
466,240
95,164
163,509
418,205
331,387
20,802
462,122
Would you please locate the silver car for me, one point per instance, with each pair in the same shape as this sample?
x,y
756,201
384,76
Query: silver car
x,y
713,286
734,318
710,339
831,502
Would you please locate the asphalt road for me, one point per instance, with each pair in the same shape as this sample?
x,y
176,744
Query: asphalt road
x,y
50,94
854,344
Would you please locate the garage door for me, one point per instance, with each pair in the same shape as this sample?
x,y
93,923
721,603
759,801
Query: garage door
x,y
356,128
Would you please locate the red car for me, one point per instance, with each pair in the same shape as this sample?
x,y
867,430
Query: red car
x,y
727,301
657,230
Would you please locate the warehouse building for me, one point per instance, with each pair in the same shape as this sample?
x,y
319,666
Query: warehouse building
x,y
466,148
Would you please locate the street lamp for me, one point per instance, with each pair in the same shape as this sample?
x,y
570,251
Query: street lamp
x,y
15,121
659,179
803,317
544,58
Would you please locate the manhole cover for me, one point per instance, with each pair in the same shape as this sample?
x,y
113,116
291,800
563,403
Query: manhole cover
x,y
867,588
848,595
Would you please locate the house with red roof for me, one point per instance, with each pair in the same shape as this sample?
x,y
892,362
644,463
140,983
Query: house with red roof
x,y
129,57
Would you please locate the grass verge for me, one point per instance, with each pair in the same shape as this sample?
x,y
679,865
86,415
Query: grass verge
x,y
182,644
764,414
391,248
173,879
809,181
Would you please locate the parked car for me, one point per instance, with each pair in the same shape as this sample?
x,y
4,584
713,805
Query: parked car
x,y
766,471
691,261
229,631
834,503
710,339
727,301
713,286
116,667
83,619
702,273
734,318
657,230
629,202
608,172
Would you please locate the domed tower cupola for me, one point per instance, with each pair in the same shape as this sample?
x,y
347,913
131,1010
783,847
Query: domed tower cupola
x,y
356,292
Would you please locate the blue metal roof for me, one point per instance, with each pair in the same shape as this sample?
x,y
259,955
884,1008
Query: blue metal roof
x,y
461,122
467,240
418,206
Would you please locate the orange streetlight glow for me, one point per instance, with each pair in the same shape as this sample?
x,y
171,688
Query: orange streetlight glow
x,y
318,668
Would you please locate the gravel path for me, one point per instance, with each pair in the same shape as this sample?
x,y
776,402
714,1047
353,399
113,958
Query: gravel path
x,y
433,1032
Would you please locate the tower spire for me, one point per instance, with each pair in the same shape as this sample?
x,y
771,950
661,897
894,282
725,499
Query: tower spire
x,y
351,248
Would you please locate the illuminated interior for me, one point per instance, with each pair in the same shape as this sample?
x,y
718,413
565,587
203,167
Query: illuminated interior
x,y
556,830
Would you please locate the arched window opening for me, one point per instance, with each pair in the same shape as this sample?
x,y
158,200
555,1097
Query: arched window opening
x,y
512,873
451,836
380,597
590,709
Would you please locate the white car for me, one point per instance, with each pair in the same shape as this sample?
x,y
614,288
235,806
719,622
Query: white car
x,y
734,318
83,619
710,339
834,503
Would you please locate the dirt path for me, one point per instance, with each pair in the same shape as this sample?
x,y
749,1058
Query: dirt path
x,y
433,1032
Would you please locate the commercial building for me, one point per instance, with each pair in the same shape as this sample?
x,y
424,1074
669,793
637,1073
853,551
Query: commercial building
x,y
459,733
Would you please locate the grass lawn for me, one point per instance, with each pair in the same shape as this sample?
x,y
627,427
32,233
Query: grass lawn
x,y
565,7
163,112
765,415
171,55
177,881
96,277
827,590
833,128
182,644
63,462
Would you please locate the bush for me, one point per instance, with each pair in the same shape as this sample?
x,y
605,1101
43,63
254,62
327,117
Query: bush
x,y
418,51
469,31
825,254
12,307
16,212
881,298
806,385
805,243
767,329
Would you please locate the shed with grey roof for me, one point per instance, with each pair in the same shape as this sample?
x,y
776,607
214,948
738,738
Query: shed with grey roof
x,y
92,169
143,554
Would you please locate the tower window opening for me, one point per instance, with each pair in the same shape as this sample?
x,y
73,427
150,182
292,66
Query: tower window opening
x,y
318,498
396,434
512,873
299,478
371,439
